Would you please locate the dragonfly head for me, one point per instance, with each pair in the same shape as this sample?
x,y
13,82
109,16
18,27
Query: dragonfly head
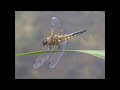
x,y
44,42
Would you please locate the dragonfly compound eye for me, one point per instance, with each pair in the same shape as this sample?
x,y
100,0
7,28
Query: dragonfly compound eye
x,y
44,41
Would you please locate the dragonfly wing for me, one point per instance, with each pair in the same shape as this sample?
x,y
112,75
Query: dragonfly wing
x,y
42,58
55,25
56,56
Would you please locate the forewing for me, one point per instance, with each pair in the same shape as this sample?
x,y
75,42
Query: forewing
x,y
55,26
56,56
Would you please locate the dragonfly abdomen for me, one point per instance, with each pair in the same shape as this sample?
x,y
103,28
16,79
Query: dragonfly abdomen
x,y
69,36
78,33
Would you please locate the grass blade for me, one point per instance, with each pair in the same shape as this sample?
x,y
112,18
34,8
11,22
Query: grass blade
x,y
97,53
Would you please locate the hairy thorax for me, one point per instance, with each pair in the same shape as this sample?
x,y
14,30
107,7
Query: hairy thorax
x,y
55,39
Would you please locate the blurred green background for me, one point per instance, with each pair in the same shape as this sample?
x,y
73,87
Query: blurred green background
x,y
32,26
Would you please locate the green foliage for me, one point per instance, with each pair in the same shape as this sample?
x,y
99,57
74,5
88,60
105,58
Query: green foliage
x,y
97,53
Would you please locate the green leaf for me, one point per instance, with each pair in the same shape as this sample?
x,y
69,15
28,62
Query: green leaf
x,y
97,53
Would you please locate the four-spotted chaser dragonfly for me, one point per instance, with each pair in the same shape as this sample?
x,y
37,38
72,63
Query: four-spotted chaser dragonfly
x,y
57,41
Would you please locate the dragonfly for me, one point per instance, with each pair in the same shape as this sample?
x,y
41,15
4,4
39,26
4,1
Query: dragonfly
x,y
56,41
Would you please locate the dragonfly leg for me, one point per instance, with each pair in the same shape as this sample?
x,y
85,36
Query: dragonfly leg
x,y
49,48
59,47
